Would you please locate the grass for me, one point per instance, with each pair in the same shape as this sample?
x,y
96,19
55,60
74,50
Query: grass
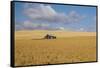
x,y
32,50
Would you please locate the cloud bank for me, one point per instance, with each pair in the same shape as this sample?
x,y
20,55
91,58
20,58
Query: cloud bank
x,y
41,16
46,13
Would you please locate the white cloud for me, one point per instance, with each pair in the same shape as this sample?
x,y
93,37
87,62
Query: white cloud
x,y
46,13
61,28
74,17
81,29
40,12
28,24
31,25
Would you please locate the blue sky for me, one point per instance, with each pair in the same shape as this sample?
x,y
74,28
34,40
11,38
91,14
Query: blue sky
x,y
35,16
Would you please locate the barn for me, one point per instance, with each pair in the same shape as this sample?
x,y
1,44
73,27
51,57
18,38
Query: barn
x,y
49,37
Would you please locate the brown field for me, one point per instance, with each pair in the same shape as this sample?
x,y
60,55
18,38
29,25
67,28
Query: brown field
x,y
31,49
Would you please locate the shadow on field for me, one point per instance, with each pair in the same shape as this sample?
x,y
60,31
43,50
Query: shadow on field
x,y
42,39
39,39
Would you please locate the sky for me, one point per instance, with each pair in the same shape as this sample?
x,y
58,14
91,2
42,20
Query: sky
x,y
36,16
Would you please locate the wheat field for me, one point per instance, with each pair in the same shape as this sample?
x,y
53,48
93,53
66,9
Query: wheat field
x,y
69,47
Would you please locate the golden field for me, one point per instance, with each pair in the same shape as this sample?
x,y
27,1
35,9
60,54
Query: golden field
x,y
31,49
